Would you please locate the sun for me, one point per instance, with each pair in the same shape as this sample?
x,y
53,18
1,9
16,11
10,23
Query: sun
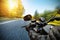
x,y
12,4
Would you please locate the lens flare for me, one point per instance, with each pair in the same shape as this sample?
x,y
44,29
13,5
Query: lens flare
x,y
12,4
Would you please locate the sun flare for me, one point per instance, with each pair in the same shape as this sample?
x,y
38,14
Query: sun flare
x,y
12,4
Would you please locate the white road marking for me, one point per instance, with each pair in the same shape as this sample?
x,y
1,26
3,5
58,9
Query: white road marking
x,y
7,21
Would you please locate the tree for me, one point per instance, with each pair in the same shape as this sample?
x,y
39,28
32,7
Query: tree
x,y
58,9
11,8
47,14
36,15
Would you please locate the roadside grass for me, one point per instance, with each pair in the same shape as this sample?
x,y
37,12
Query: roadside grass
x,y
2,19
55,22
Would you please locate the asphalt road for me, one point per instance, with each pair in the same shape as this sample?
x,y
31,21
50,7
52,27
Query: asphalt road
x,y
13,31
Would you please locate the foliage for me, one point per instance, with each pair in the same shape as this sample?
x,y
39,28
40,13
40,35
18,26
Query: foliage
x,y
50,14
12,10
36,15
47,14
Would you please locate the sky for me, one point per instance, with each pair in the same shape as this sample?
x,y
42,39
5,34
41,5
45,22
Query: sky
x,y
31,6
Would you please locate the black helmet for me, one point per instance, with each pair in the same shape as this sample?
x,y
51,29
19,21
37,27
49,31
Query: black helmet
x,y
27,17
42,19
33,20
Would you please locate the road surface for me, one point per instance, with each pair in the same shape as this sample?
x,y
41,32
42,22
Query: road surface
x,y
12,30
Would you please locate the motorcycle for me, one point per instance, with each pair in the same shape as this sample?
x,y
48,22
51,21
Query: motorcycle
x,y
47,32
